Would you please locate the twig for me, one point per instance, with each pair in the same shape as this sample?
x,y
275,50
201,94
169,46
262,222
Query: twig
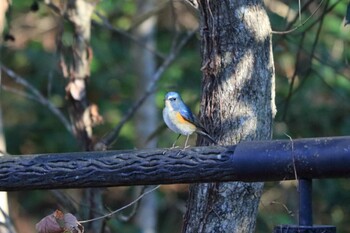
x,y
8,222
106,141
308,70
302,24
65,200
294,166
126,218
120,209
106,24
39,97
326,10
19,92
142,18
343,98
290,91
284,206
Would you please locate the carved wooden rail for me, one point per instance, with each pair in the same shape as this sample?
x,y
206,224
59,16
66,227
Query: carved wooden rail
x,y
248,161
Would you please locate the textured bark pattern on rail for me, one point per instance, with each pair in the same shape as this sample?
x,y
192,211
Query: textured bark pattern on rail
x,y
92,169
247,161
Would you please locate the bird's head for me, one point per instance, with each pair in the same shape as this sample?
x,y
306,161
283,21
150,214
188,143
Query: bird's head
x,y
172,100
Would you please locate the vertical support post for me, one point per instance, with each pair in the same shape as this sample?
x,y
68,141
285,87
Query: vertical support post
x,y
305,214
305,202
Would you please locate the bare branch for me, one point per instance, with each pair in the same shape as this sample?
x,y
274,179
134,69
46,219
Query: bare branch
x,y
284,207
8,222
19,92
308,65
302,24
38,96
120,209
106,24
326,10
65,200
143,17
126,218
290,91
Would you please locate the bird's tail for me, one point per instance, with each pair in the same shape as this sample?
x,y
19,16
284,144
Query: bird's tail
x,y
206,135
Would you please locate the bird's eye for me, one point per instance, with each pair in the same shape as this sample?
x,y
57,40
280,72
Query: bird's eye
x,y
172,99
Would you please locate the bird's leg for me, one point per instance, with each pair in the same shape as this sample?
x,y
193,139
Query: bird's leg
x,y
173,146
175,141
186,142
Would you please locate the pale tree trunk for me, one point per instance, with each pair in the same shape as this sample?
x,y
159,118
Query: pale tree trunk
x,y
146,117
237,105
75,65
4,213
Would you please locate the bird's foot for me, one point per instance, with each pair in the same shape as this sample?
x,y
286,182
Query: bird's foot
x,y
168,149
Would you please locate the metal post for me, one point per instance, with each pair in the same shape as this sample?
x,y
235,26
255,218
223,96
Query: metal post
x,y
305,213
305,202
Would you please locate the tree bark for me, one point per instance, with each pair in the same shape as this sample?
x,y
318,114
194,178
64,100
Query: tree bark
x,y
237,105
75,65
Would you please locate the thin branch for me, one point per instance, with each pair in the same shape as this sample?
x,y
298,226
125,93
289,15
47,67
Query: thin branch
x,y
323,14
126,218
8,222
290,91
333,66
302,24
65,200
39,97
308,71
19,92
293,156
106,24
141,18
106,141
343,98
120,209
284,206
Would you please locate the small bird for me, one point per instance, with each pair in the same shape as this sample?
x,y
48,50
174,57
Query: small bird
x,y
179,118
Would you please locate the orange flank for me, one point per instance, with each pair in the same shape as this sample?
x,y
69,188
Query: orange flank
x,y
183,120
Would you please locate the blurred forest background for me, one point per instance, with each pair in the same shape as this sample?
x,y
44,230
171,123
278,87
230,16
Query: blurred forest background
x,y
130,45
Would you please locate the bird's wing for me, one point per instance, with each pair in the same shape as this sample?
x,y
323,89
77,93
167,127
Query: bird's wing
x,y
187,114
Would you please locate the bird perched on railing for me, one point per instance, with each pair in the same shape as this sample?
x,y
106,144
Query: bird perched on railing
x,y
179,118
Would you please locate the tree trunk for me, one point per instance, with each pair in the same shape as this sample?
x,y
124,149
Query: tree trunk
x,y
75,65
4,213
237,105
146,118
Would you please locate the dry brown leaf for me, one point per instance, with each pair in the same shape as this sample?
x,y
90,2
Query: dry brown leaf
x,y
59,216
48,225
58,222
71,224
